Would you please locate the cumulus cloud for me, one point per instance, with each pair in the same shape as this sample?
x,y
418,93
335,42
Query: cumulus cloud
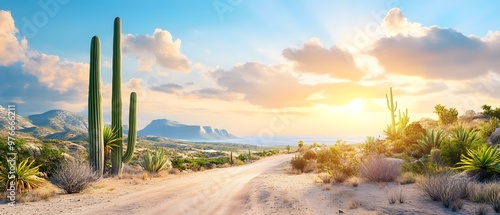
x,y
159,48
395,23
438,53
314,58
11,49
56,74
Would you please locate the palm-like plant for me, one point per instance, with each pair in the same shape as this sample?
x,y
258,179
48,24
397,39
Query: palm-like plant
x,y
26,176
485,159
431,140
467,139
155,161
110,140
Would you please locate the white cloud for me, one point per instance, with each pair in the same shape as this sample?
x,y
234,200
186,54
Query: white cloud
x,y
56,74
11,49
395,23
160,48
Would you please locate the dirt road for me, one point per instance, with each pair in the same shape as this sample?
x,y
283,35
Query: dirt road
x,y
219,191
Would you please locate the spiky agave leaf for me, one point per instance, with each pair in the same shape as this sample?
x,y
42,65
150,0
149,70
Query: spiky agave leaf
x,y
485,158
155,161
26,176
110,137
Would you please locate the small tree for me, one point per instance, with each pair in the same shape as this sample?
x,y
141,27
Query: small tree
x,y
446,116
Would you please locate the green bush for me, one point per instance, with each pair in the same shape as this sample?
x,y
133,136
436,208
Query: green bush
x,y
339,160
462,139
155,161
446,116
298,163
309,155
484,162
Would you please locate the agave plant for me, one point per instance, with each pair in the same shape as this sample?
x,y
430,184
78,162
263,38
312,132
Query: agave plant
x,y
485,159
155,161
467,139
431,140
26,176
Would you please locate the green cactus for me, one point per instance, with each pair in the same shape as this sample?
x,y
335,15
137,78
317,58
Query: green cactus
x,y
117,157
249,155
392,108
96,144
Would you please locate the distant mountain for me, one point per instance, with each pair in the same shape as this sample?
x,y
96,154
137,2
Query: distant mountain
x,y
58,124
176,130
21,122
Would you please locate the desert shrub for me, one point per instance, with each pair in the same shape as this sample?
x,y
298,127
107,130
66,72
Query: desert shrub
x,y
298,163
26,176
311,166
461,140
325,177
444,187
354,181
481,209
374,146
378,169
446,116
476,192
155,161
412,133
493,196
74,176
339,161
456,205
487,128
407,178
483,162
309,155
431,140
421,166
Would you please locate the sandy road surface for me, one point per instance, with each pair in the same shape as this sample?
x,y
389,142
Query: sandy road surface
x,y
219,191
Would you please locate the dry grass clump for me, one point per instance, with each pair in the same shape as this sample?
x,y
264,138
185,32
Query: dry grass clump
x,y
408,178
378,169
354,181
353,204
485,193
396,195
445,188
74,176
44,192
325,177
481,209
339,177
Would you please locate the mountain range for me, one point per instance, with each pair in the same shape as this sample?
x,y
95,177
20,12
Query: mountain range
x,y
176,130
65,125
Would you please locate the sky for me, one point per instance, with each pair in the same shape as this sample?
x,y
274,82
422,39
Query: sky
x,y
268,68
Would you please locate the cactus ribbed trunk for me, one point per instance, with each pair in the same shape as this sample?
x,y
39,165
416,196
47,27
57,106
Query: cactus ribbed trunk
x,y
96,140
132,131
116,100
392,108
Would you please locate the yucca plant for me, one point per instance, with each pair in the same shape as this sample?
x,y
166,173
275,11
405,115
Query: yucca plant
x,y
431,140
484,161
466,138
110,140
26,176
155,161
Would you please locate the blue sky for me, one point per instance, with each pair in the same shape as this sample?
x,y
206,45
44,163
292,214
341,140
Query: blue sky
x,y
245,61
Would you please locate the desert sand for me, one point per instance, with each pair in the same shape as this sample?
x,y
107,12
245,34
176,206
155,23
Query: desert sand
x,y
263,187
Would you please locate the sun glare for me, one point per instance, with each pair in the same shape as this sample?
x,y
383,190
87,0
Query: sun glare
x,y
356,105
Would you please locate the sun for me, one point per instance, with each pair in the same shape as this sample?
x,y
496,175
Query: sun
x,y
356,105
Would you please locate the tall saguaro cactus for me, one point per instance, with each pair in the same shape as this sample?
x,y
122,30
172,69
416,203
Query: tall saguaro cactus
x,y
117,158
96,140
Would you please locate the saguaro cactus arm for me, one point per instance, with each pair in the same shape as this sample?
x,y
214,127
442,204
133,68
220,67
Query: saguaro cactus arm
x,y
132,132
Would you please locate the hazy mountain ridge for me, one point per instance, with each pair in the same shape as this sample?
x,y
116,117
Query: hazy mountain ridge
x,y
66,125
173,129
